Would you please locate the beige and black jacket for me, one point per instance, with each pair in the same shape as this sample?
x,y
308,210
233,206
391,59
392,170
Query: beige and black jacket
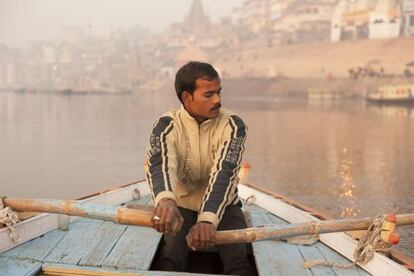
x,y
196,164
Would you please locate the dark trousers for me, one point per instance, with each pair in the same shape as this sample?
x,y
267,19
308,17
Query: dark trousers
x,y
174,254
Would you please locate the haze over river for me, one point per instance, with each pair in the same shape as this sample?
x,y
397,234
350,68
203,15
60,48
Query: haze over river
x,y
344,158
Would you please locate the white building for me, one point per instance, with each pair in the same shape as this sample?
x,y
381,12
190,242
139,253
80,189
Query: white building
x,y
385,20
365,19
303,21
408,15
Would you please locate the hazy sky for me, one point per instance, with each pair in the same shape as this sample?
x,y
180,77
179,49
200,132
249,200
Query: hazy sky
x,y
25,20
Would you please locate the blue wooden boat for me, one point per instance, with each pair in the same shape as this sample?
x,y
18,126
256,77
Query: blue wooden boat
x,y
54,244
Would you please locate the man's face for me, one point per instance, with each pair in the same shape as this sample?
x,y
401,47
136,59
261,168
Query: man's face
x,y
205,102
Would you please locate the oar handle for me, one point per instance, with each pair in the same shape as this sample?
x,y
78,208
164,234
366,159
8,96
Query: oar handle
x,y
133,217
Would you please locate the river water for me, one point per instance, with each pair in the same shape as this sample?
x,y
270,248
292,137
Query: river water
x,y
347,158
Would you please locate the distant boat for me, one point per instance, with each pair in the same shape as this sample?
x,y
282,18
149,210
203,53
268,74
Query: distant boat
x,y
392,94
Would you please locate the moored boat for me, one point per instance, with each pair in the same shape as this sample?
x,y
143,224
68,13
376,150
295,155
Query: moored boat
x,y
93,247
392,94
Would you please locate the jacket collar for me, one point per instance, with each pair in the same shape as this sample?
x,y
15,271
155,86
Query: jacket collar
x,y
190,118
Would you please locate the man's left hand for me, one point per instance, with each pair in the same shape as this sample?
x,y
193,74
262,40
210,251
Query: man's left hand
x,y
201,235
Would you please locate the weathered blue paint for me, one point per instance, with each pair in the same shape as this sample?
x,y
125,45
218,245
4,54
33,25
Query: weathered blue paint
x,y
276,257
310,253
134,250
97,211
331,255
90,243
11,266
105,242
287,259
81,241
39,248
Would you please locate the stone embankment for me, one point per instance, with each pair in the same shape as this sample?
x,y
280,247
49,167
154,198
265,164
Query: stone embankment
x,y
299,87
318,60
293,70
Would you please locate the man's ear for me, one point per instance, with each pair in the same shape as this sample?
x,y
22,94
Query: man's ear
x,y
186,97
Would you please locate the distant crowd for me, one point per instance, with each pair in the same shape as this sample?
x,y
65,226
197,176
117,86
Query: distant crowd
x,y
360,72
363,72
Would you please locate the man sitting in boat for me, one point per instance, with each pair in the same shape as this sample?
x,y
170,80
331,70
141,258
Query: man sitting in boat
x,y
193,159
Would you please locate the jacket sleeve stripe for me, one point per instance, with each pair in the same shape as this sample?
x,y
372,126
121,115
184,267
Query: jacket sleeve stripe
x,y
229,186
167,181
150,184
238,132
158,174
214,178
221,187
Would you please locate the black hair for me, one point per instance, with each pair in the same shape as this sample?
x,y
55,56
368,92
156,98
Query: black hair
x,y
188,74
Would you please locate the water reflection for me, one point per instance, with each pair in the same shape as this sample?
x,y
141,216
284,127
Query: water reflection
x,y
394,111
347,197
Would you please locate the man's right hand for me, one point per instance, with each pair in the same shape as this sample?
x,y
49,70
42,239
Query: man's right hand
x,y
166,218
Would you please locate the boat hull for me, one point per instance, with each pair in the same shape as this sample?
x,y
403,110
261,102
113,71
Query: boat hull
x,y
105,246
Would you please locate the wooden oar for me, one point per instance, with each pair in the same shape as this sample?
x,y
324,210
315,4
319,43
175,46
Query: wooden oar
x,y
307,228
76,208
143,217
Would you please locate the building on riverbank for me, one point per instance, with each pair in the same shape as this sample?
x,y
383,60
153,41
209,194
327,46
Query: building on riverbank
x,y
303,22
280,22
408,14
366,19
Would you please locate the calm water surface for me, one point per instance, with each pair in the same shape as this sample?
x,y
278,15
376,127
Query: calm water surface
x,y
346,158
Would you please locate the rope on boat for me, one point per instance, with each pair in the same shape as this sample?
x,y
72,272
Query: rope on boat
x,y
10,218
369,243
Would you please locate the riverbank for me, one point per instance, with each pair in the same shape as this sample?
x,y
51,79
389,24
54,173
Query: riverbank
x,y
299,87
284,87
317,60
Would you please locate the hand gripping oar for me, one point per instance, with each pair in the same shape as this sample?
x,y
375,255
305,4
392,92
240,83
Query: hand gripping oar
x,y
118,214
124,215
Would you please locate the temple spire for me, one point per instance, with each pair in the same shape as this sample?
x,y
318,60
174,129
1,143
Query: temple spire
x,y
197,21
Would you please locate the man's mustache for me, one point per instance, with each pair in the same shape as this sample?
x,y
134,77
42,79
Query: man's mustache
x,y
216,107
